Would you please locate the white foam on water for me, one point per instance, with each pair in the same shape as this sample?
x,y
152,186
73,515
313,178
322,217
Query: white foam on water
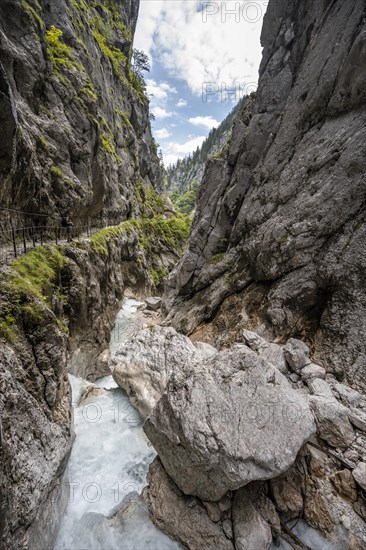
x,y
125,325
311,538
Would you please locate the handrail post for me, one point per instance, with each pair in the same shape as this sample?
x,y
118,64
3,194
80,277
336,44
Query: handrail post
x,y
41,236
24,241
14,242
33,237
56,231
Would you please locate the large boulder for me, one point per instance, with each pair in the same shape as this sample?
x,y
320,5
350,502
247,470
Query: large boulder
x,y
182,517
229,420
142,364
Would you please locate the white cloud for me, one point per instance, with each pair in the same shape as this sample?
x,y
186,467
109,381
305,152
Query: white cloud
x,y
160,113
173,151
182,103
206,121
159,91
221,49
163,133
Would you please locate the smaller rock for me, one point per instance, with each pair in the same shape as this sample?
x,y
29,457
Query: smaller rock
x,y
273,353
297,354
349,396
319,387
294,377
287,494
225,503
89,392
345,485
313,371
359,474
332,421
358,419
346,520
182,517
203,350
213,511
352,456
251,531
268,511
153,302
227,527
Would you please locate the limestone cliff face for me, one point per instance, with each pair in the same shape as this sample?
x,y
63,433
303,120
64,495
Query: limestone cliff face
x,y
279,238
75,129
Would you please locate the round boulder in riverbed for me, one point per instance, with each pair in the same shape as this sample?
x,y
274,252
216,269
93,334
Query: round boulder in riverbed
x,y
228,420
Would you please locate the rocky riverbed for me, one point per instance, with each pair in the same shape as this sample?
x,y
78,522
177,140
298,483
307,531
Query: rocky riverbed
x,y
248,438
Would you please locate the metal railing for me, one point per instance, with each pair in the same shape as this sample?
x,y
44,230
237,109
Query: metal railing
x,y
17,241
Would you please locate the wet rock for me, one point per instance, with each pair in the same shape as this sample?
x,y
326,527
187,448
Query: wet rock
x,y
332,421
216,428
64,133
297,354
250,529
359,474
89,392
153,303
182,517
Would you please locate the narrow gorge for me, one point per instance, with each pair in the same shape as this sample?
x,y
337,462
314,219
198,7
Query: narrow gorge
x,y
173,383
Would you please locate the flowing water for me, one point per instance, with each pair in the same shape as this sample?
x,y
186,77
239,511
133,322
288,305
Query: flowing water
x,y
108,466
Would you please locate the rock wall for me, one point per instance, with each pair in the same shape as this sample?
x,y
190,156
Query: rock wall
x,y
76,134
278,240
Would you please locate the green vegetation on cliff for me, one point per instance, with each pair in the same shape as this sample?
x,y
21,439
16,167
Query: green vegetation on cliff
x,y
152,233
28,289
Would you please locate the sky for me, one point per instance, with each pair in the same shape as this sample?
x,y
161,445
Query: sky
x,y
204,57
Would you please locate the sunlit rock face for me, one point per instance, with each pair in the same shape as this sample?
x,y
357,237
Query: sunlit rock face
x,y
75,123
279,231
